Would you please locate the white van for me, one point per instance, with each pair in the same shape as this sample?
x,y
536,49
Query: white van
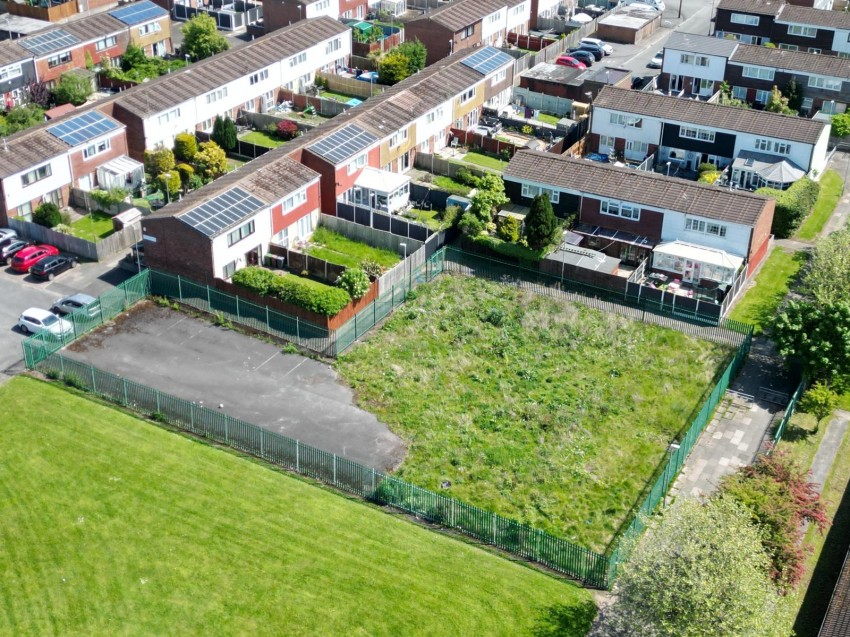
x,y
658,5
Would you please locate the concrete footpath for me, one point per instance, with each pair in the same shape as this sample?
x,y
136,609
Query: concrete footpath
x,y
829,446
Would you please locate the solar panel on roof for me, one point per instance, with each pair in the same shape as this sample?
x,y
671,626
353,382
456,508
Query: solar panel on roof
x,y
82,128
343,144
44,43
486,60
138,12
222,211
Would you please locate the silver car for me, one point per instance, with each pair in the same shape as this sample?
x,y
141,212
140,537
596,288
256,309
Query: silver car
x,y
74,303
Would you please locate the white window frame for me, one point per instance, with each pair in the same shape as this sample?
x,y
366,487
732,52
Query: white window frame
x,y
743,18
782,148
763,145
150,27
607,140
105,43
11,72
59,59
229,268
294,200
295,60
240,233
789,47
758,72
825,83
258,77
802,31
739,92
692,132
615,208
357,163
636,146
704,226
216,95
467,95
499,77
97,148
36,174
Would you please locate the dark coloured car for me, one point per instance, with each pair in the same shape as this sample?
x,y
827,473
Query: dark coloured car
x,y
492,123
597,51
49,267
586,57
9,248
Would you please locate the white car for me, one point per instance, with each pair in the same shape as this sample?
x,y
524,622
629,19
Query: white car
x,y
607,48
657,60
7,233
35,321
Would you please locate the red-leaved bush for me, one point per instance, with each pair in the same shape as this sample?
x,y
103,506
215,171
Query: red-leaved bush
x,y
287,129
778,493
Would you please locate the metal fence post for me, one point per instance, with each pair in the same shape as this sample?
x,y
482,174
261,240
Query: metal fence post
x,y
373,479
179,288
297,330
192,415
209,297
297,458
268,322
238,317
93,381
126,397
334,468
262,444
62,364
157,401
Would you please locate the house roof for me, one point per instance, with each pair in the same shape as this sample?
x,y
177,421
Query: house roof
x,y
759,7
636,186
701,44
94,27
552,73
139,12
815,17
837,620
793,61
201,77
12,52
462,13
732,118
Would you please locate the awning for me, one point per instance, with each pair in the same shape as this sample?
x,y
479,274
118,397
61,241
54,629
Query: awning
x,y
122,165
710,256
380,181
620,236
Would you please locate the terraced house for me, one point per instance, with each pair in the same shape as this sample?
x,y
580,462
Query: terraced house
x,y
697,64
764,149
244,79
281,13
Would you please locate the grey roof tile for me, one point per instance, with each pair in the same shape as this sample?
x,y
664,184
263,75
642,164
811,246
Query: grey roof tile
x,y
704,44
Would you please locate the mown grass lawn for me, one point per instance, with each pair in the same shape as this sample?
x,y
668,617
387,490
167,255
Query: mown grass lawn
x,y
831,187
431,218
93,227
758,305
480,159
451,186
262,138
550,413
113,526
336,248
548,119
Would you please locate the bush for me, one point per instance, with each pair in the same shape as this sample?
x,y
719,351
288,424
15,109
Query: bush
x,y
508,229
224,133
819,401
159,161
470,224
286,129
211,160
516,252
540,224
186,172
706,167
465,176
106,199
372,269
451,215
310,295
354,281
169,183
73,89
185,147
47,215
791,205
709,176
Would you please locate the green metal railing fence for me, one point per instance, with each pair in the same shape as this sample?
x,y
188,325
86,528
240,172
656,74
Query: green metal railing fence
x,y
341,473
789,411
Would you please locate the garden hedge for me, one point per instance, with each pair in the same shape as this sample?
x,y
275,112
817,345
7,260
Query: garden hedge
x,y
791,205
306,293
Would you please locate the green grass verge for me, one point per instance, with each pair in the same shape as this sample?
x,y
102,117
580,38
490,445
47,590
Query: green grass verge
x,y
831,187
759,303
480,159
336,248
548,119
93,227
262,138
451,186
547,412
113,526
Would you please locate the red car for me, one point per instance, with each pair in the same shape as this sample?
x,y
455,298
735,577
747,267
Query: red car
x,y
566,60
31,255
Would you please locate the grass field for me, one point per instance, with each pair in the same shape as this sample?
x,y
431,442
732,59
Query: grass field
x,y
546,412
831,186
334,247
93,227
112,526
758,305
262,138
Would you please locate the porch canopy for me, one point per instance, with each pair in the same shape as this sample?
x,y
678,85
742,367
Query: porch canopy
x,y
391,190
121,172
710,263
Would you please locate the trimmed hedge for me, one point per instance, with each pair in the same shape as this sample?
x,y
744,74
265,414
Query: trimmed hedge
x,y
515,252
791,205
306,293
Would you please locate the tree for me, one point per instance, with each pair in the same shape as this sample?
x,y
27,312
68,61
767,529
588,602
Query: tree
x,y
73,88
286,129
354,281
795,96
776,103
211,160
133,57
224,133
201,38
815,335
540,223
159,161
490,195
699,571
47,215
415,52
727,99
841,125
819,401
185,146
393,68
89,61
39,94
826,276
508,229
23,117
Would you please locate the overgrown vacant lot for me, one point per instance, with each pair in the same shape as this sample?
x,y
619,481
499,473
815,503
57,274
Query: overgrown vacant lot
x,y
541,410
112,526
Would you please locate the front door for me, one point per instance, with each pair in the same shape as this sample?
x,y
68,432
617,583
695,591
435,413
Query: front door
x,y
676,82
691,274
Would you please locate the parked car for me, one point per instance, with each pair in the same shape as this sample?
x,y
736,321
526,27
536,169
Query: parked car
x,y
567,60
585,57
48,267
31,255
607,49
7,233
657,60
35,321
75,302
597,53
492,124
9,248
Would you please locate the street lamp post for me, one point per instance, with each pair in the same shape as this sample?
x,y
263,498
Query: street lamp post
x,y
186,55
668,168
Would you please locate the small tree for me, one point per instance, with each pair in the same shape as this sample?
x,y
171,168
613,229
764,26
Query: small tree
x,y
201,38
39,94
286,129
540,223
185,146
169,182
776,103
89,61
211,160
815,335
470,225
491,194
393,68
819,401
224,133
508,229
73,88
354,281
795,96
828,271
415,52
841,125
23,117
133,57
159,161
47,215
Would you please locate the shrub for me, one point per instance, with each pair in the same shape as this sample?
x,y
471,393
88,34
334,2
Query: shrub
x,y
185,146
169,183
515,252
540,224
159,161
709,176
819,401
372,269
706,167
451,215
470,225
211,160
47,215
841,125
286,129
508,229
186,172
791,205
224,133
106,199
311,295
256,279
73,89
354,281
465,176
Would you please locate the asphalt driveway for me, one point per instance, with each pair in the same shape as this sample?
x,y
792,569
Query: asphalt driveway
x,y
243,376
